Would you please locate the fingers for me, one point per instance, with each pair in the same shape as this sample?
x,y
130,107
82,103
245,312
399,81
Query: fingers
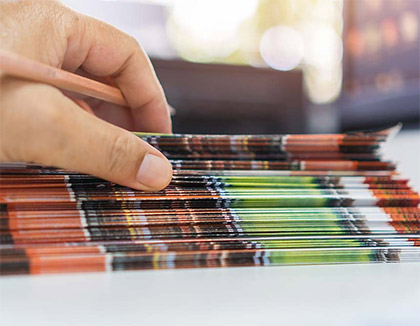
x,y
102,50
39,124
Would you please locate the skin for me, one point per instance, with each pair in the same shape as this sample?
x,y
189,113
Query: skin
x,y
41,124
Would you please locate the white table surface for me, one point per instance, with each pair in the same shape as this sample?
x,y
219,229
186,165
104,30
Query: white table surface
x,y
376,294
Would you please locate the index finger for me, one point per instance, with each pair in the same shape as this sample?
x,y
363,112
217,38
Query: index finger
x,y
103,50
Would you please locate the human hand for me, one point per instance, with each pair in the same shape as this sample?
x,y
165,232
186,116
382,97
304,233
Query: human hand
x,y
39,124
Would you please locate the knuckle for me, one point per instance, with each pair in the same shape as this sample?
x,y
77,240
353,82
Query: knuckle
x,y
118,150
134,42
69,19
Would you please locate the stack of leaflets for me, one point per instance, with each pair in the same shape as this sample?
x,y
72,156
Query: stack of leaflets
x,y
234,200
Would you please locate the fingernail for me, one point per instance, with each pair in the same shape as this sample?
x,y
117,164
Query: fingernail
x,y
155,172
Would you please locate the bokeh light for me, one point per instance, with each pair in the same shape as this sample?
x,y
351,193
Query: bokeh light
x,y
323,47
282,47
206,30
409,27
281,34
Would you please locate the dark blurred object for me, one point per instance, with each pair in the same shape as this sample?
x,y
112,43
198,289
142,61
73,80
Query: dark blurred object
x,y
216,98
381,82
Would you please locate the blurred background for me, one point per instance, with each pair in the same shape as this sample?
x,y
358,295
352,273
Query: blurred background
x,y
277,66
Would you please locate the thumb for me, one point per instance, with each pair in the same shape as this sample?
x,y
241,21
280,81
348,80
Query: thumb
x,y
41,125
